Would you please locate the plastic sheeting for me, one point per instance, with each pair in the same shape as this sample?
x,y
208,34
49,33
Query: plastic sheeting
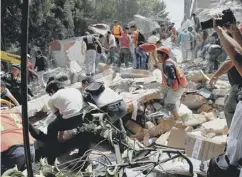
x,y
145,25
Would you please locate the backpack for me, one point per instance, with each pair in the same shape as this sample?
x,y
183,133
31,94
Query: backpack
x,y
215,51
141,38
93,90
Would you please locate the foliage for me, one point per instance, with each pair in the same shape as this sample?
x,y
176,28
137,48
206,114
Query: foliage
x,y
60,19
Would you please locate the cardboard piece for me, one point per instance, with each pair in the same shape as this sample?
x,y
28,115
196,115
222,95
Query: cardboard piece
x,y
103,67
202,148
133,127
177,138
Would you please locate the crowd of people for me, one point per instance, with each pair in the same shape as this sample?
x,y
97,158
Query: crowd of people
x,y
128,45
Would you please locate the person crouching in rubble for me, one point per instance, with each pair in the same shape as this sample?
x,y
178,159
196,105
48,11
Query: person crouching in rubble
x,y
66,103
172,77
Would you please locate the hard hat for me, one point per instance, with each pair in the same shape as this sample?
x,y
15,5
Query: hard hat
x,y
28,55
163,50
16,66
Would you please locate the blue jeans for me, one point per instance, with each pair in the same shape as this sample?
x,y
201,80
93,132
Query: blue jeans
x,y
15,156
141,58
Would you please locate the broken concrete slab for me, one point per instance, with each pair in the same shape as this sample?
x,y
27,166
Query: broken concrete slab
x,y
205,93
217,126
221,92
220,101
134,73
193,100
205,108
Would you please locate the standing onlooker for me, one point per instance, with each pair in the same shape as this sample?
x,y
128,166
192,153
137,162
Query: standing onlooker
x,y
111,46
125,54
41,64
196,22
196,43
141,57
89,43
185,38
116,31
134,36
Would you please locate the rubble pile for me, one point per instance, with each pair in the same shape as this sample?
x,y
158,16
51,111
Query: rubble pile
x,y
201,131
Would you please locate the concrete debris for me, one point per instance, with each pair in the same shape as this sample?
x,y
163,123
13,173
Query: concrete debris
x,y
193,100
220,101
205,108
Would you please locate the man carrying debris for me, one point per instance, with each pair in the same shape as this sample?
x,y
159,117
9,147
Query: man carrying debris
x,y
235,80
185,39
229,163
125,53
174,79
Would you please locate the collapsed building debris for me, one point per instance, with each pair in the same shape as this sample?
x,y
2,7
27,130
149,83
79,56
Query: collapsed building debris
x,y
200,135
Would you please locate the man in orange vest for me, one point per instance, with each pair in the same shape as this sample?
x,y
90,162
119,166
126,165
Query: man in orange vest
x,y
174,79
12,145
116,31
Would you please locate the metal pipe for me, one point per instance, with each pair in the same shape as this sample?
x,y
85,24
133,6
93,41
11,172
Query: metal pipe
x,y
24,87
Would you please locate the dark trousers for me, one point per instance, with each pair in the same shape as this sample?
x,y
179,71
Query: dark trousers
x,y
59,124
219,167
15,156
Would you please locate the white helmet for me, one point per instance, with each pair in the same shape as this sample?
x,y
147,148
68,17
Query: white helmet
x,y
28,55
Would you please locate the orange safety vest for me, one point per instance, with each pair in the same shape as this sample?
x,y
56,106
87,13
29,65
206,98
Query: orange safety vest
x,y
117,30
11,130
181,78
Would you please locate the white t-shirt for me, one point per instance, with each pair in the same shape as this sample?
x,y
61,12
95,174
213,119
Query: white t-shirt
x,y
68,101
234,141
112,42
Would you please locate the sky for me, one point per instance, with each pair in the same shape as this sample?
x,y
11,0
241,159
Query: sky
x,y
176,11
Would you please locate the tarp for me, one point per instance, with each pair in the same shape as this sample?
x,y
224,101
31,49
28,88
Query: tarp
x,y
145,25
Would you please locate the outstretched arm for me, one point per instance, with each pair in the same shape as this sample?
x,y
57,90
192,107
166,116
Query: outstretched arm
x,y
232,48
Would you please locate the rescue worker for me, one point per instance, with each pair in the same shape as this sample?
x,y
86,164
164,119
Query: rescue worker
x,y
41,65
125,53
173,79
197,24
12,145
7,95
111,47
66,104
89,51
185,39
212,53
229,163
117,31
